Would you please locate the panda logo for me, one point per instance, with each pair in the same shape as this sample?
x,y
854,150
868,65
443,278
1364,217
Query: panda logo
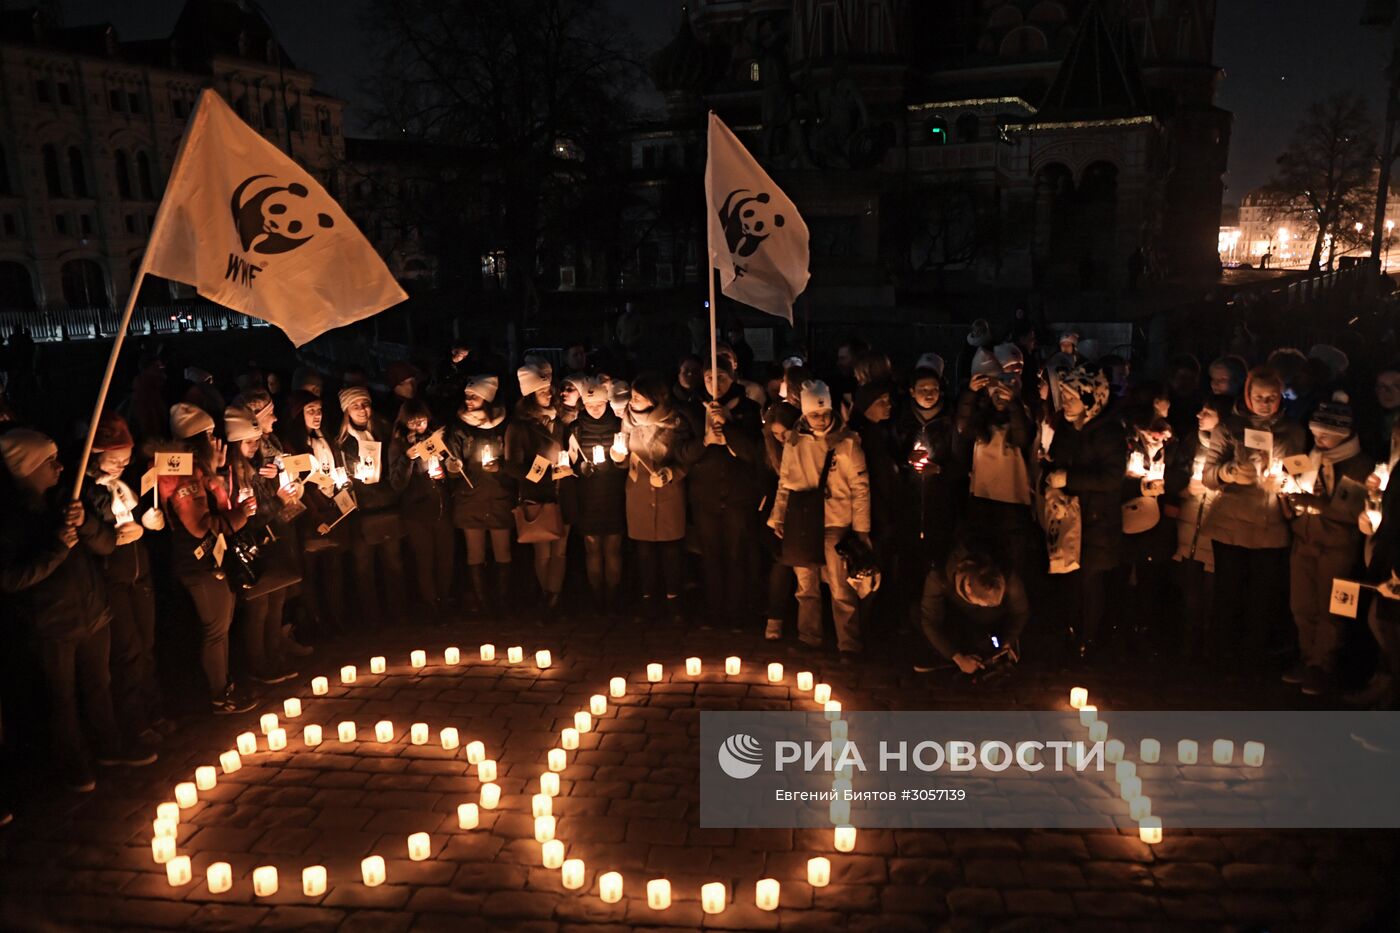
x,y
747,221
275,218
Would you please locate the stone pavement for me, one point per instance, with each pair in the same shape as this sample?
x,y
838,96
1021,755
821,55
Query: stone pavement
x,y
628,801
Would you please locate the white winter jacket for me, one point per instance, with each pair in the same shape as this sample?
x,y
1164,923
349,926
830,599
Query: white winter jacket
x,y
848,485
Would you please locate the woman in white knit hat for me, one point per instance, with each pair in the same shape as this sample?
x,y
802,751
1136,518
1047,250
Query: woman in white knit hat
x,y
534,444
601,512
376,529
426,510
482,496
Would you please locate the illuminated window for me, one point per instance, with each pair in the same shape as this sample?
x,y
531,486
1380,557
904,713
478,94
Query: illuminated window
x,y
755,74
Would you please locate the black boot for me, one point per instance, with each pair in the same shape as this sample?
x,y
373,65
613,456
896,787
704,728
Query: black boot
x,y
501,604
476,590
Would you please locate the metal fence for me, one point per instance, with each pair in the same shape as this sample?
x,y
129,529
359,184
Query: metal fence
x,y
101,323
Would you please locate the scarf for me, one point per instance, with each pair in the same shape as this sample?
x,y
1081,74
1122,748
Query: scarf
x,y
1323,464
483,418
321,450
123,499
925,415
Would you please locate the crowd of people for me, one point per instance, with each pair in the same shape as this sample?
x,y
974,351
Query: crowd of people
x,y
985,509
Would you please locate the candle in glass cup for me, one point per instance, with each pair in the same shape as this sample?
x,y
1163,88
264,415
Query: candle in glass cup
x,y
833,709
247,743
186,794
277,740
845,838
347,674
488,652
712,896
544,828
610,887
1187,751
372,870
658,894
320,686
1078,696
692,667
230,761
617,686
452,656
775,673
490,796
418,658
1124,769
552,853
311,735
486,769
598,455
1254,754
219,877
267,722
543,658
1150,829
654,672
1113,751
162,849
378,665
1088,714
346,731
804,680
164,829
468,816
169,810
313,880
291,707
1130,788
515,654
265,880
1150,751
448,737
476,752
1222,752
541,805
597,704
821,693
419,846
205,777
558,759
819,872
732,665
766,892
418,733
549,784
1098,731
384,731
583,721
620,442
568,738
1139,807
572,873
177,871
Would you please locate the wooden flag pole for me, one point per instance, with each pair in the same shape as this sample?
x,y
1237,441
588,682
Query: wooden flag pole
x,y
714,338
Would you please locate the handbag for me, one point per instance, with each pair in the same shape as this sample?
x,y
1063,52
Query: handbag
x,y
1141,514
245,560
538,521
804,524
999,471
1062,522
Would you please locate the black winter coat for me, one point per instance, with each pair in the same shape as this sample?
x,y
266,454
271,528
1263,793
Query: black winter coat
x,y
727,473
1095,459
57,591
601,495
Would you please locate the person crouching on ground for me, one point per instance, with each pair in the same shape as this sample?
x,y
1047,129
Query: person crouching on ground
x,y
972,609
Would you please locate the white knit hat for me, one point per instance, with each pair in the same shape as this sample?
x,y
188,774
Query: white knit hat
x,y
25,450
195,374
1008,354
188,420
531,379
931,361
815,396
483,387
240,425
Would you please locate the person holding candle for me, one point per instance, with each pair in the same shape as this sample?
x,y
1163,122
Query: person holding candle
x,y
1152,480
1323,514
130,594
51,581
1195,558
1382,563
660,443
1246,522
205,517
424,508
601,517
825,457
779,421
535,453
325,538
482,496
376,531
261,607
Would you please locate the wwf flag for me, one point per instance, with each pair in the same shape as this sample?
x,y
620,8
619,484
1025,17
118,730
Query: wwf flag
x,y
758,240
252,230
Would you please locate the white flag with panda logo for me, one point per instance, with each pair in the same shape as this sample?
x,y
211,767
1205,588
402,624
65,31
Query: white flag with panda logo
x,y
758,240
253,231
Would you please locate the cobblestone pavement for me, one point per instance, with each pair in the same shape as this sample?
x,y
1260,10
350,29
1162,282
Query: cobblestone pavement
x,y
628,801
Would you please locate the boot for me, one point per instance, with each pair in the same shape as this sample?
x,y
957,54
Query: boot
x,y
476,590
673,610
501,604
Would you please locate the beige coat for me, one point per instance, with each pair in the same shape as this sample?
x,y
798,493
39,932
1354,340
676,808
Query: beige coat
x,y
848,486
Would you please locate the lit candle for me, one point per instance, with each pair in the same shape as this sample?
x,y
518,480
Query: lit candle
x,y
230,761
267,722
598,454
468,816
804,683
177,871
486,455
1130,788
563,462
1150,830
321,686
277,740
1078,696
543,659
597,704
620,442
347,674
658,894
219,877
1186,751
839,731
162,849
418,658
833,709
311,735
845,838
1150,751
766,892
419,846
775,673
384,731
821,693
654,672
378,665
346,731
840,812
568,738
549,784
712,897
291,707
573,873
452,656
1124,769
164,829
544,828
1098,731
583,721
1113,751
1088,714
617,686
476,751
1139,807
488,652
313,880
372,870
558,760
247,743
819,872
170,810
552,853
732,666
418,733
515,654
448,737
265,880
490,796
692,667
1222,752
1254,754
205,777
186,794
486,769
610,887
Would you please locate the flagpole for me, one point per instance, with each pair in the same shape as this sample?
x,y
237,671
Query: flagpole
x,y
714,339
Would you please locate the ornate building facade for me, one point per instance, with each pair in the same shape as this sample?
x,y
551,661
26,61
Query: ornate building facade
x,y
935,146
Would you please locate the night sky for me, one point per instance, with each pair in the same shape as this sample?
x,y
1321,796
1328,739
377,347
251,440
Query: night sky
x,y
1275,62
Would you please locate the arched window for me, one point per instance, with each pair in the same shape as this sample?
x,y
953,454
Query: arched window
x,y
755,73
16,287
143,176
936,130
967,128
84,284
1023,40
78,169
53,175
123,174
